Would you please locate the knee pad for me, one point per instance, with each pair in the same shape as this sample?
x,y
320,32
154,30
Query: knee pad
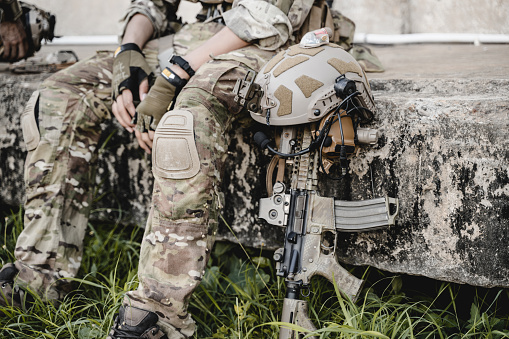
x,y
174,148
29,123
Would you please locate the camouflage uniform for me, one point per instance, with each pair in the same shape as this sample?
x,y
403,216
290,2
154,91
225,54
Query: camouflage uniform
x,y
183,219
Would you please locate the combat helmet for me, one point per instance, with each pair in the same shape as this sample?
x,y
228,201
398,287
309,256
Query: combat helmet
x,y
303,84
39,25
317,83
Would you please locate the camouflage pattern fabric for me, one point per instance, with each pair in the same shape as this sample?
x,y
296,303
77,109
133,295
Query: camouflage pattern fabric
x,y
183,220
267,24
367,58
58,174
266,35
344,30
180,230
156,11
59,179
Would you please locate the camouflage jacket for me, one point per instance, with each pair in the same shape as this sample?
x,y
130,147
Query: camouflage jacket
x,y
268,24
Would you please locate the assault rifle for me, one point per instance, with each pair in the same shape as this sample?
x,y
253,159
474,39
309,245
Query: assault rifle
x,y
312,224
318,95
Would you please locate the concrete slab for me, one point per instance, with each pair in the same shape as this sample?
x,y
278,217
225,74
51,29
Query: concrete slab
x,y
444,114
416,61
437,61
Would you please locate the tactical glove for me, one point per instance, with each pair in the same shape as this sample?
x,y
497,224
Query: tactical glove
x,y
158,100
129,69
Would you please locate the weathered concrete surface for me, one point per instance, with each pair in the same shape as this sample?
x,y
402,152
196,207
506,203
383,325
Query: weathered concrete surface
x,y
447,161
444,113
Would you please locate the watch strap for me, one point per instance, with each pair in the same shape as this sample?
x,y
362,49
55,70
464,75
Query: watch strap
x,y
127,47
178,60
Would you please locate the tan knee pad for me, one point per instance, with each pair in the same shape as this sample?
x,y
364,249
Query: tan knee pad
x,y
174,149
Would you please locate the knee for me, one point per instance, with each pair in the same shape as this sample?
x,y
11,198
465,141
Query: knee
x,y
175,155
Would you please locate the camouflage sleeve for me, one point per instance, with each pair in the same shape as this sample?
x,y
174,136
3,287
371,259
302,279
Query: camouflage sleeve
x,y
265,24
259,22
160,13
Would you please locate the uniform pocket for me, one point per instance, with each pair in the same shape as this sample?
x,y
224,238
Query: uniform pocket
x,y
29,124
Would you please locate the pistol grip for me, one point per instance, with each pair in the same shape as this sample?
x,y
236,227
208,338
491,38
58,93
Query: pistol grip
x,y
295,312
315,262
348,284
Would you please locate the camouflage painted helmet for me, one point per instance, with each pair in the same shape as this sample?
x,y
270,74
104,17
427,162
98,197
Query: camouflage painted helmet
x,y
39,25
300,85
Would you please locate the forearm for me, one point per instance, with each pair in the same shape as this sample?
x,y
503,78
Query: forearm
x,y
223,42
139,30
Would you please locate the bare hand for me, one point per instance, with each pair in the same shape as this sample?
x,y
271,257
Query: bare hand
x,y
14,40
145,140
124,109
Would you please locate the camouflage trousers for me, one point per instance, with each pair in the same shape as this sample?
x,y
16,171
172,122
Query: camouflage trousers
x,y
183,217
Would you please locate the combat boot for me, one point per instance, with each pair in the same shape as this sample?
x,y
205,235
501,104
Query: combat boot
x,y
11,295
136,323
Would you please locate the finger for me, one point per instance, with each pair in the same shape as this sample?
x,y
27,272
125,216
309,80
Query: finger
x,y
144,88
21,51
146,138
151,135
122,115
7,51
126,117
26,48
127,99
141,142
114,108
116,113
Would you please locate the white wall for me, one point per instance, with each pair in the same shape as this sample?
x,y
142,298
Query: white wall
x,y
96,17
427,16
101,17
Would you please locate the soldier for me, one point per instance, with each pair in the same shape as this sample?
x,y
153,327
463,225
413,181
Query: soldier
x,y
188,147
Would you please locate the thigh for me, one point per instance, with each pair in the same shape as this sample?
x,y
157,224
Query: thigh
x,y
216,80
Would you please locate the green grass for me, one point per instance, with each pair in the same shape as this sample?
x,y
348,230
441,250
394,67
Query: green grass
x,y
241,297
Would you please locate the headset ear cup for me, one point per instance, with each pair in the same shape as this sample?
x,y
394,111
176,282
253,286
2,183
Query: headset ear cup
x,y
344,87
